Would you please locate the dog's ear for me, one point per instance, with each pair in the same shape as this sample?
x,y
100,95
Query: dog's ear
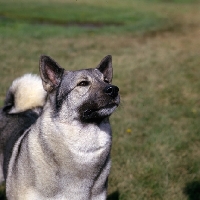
x,y
50,72
105,67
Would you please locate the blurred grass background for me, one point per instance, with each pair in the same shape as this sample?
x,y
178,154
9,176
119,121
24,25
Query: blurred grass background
x,y
155,46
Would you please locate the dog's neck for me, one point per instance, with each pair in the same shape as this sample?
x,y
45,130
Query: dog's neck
x,y
77,135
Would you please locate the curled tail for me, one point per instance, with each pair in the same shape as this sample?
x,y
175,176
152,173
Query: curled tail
x,y
25,93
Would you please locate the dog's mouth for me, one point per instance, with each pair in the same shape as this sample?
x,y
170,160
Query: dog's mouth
x,y
90,111
99,113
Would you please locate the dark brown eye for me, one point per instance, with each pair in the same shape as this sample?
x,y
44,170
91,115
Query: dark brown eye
x,y
83,83
106,81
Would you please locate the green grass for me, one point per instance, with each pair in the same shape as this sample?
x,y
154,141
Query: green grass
x,y
57,13
155,47
176,1
35,19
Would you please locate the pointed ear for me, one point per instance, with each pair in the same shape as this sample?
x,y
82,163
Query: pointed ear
x,y
105,67
50,72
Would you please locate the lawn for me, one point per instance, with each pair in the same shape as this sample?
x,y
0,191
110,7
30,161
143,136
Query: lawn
x,y
156,59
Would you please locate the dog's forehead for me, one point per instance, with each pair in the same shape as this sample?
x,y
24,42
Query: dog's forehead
x,y
86,73
83,74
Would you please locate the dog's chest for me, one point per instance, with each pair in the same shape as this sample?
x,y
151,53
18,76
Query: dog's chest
x,y
84,146
89,143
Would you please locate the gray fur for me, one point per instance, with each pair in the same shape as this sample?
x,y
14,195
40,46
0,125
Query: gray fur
x,y
61,151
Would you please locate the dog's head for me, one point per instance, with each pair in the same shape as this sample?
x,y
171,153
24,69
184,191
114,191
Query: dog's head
x,y
86,95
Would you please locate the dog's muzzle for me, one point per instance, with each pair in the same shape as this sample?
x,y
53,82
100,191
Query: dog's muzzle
x,y
101,107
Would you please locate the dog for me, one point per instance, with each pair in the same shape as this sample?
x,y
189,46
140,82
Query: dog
x,y
55,135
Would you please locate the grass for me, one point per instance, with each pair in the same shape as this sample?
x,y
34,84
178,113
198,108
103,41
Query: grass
x,y
75,18
155,47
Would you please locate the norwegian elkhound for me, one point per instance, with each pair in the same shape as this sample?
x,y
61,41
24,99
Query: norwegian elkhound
x,y
55,136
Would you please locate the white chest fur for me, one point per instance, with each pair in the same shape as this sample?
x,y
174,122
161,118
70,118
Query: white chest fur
x,y
87,143
83,154
77,145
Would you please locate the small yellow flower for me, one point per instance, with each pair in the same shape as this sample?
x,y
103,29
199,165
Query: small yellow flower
x,y
194,110
128,130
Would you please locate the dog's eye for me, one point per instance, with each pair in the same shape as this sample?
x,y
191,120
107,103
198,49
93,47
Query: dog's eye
x,y
83,83
106,81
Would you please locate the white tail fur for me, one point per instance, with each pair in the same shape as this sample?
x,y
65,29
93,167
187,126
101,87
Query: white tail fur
x,y
28,93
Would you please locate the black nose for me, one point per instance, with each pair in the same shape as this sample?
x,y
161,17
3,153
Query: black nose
x,y
111,90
